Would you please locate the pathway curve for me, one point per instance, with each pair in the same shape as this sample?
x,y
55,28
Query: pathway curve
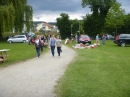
x,y
35,77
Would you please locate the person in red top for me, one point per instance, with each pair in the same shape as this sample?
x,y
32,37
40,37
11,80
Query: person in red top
x,y
117,37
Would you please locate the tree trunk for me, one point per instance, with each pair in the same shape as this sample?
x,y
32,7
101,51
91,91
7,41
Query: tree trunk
x,y
1,36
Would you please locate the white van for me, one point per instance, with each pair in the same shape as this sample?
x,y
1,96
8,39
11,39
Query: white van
x,y
18,38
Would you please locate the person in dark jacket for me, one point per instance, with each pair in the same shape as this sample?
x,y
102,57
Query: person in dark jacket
x,y
58,44
42,42
103,39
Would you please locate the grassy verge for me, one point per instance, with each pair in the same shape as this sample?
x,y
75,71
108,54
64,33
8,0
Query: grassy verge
x,y
100,72
18,52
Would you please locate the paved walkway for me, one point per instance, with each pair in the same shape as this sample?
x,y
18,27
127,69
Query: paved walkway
x,y
35,77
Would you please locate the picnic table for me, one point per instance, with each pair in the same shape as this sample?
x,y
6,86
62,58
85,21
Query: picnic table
x,y
3,55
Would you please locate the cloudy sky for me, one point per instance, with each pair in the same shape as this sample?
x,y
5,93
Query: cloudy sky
x,y
49,10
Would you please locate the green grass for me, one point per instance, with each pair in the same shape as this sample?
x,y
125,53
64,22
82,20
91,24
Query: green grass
x,y
18,52
103,71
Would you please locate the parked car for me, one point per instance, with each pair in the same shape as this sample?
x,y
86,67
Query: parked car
x,y
18,38
83,38
122,40
7,37
109,37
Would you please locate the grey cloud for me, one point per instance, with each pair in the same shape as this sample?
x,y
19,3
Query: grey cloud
x,y
125,4
49,8
63,5
56,5
37,17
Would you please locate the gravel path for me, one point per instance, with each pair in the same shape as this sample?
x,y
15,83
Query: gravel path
x,y
35,77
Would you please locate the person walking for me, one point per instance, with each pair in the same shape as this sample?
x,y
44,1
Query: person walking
x,y
52,44
103,39
97,39
42,42
58,44
76,38
37,45
29,40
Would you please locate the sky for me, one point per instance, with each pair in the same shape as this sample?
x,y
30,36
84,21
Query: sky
x,y
49,10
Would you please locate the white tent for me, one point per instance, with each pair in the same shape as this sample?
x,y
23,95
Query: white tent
x,y
31,34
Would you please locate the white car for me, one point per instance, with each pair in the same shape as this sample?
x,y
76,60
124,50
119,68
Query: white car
x,y
18,38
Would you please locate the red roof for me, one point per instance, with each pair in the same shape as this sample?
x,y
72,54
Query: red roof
x,y
48,25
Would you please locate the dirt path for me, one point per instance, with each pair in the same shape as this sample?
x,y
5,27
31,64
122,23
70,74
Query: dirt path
x,y
35,77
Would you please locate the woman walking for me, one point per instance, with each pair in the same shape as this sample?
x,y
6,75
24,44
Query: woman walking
x,y
58,44
97,39
37,45
52,44
103,39
42,42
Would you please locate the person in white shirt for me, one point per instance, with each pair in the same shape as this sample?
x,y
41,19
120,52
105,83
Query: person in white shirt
x,y
97,39
37,45
58,44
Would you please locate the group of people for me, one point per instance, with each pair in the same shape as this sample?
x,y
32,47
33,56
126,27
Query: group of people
x,y
53,42
31,39
98,40
56,42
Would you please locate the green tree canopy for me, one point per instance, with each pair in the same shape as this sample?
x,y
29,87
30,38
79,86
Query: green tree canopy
x,y
99,10
14,14
126,27
115,17
89,25
98,6
64,25
7,17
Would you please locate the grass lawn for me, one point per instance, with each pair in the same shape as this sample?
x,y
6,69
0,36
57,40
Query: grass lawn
x,y
18,52
103,71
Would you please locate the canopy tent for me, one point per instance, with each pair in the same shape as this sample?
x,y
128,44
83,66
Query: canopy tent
x,y
31,34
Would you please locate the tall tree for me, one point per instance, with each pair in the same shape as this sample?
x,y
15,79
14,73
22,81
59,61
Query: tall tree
x,y
99,10
75,28
115,17
126,27
7,16
89,25
64,25
14,14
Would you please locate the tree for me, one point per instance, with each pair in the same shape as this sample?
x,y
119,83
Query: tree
x,y
115,17
99,10
126,27
89,25
14,14
64,25
75,28
98,6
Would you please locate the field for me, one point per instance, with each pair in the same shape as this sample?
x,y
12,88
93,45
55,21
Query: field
x,y
18,52
103,71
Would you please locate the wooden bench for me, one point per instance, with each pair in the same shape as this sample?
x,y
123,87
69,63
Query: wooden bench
x,y
1,60
3,55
